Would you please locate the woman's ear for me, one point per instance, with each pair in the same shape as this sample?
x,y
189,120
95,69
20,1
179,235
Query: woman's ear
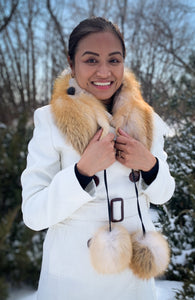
x,y
70,62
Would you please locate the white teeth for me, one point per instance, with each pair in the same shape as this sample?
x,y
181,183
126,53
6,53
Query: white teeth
x,y
102,83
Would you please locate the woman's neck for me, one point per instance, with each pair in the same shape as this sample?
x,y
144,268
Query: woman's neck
x,y
109,105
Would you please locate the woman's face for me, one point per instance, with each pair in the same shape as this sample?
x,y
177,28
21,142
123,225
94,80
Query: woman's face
x,y
99,65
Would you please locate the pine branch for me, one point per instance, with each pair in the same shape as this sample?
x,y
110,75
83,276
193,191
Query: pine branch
x,y
6,224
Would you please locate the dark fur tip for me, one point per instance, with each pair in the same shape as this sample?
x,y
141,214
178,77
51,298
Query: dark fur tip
x,y
89,243
71,90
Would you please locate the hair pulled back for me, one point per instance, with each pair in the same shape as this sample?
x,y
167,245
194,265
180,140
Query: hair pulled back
x,y
92,25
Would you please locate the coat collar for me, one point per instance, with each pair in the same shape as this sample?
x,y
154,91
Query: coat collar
x,y
79,114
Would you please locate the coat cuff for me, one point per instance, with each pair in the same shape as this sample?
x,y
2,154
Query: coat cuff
x,y
83,180
162,188
150,176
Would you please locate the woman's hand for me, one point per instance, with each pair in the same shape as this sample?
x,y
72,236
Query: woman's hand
x,y
99,154
133,154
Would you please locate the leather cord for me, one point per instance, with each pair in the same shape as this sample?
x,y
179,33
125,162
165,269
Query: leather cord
x,y
108,201
138,206
137,196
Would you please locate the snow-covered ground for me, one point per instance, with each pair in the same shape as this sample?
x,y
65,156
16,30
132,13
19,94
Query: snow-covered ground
x,y
165,291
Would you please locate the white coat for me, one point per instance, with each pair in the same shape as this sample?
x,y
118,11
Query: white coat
x,y
54,199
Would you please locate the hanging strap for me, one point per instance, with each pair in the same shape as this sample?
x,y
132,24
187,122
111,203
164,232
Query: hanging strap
x,y
108,201
137,196
138,206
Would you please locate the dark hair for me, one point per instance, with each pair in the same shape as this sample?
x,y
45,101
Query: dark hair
x,y
92,25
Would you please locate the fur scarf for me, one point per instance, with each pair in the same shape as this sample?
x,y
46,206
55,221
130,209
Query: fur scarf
x,y
79,114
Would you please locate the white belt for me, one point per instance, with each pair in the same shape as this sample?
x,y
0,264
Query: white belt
x,y
98,211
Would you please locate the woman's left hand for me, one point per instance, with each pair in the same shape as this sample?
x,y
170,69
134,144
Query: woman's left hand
x,y
132,153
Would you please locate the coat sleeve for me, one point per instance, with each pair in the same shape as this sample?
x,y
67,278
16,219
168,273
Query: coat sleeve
x,y
162,188
49,194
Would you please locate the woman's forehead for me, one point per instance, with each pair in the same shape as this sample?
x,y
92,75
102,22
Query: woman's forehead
x,y
100,42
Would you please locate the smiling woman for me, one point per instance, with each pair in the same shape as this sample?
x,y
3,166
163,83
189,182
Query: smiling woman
x,y
99,70
96,158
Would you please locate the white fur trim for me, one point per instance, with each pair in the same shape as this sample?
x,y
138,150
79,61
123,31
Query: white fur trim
x,y
110,252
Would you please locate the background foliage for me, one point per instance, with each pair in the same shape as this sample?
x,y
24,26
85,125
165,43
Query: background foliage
x,y
160,43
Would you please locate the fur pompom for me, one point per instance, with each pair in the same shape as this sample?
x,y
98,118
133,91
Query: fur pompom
x,y
110,252
151,254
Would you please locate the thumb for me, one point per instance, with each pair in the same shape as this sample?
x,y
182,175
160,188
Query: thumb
x,y
97,136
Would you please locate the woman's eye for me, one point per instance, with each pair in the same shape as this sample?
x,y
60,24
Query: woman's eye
x,y
91,61
114,61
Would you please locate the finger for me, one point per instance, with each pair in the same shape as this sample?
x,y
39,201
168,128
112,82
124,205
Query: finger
x,y
121,140
109,137
120,147
97,136
123,133
120,156
125,139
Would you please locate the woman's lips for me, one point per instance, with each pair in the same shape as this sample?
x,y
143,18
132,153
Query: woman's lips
x,y
102,85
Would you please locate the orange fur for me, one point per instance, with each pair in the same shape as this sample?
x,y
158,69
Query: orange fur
x,y
151,254
132,113
79,116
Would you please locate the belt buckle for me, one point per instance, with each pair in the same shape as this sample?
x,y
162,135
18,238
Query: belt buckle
x,y
112,202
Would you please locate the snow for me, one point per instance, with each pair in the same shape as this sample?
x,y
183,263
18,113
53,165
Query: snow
x,y
165,291
22,294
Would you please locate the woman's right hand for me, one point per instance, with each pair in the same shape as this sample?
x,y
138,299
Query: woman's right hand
x,y
98,155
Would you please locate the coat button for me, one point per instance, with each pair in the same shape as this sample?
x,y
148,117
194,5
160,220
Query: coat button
x,y
134,176
96,179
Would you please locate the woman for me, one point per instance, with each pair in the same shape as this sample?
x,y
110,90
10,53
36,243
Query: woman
x,y
85,146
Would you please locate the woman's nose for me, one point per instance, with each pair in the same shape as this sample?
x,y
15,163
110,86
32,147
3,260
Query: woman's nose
x,y
103,71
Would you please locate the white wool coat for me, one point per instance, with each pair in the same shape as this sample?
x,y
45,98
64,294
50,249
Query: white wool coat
x,y
54,199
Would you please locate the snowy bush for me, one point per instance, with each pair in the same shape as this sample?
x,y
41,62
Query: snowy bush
x,y
20,248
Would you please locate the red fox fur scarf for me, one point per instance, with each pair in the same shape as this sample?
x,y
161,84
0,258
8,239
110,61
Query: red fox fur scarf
x,y
80,115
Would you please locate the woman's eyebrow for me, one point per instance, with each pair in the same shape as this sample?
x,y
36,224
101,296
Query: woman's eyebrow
x,y
96,54
90,52
114,53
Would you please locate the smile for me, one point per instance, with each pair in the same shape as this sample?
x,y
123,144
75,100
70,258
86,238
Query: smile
x,y
102,83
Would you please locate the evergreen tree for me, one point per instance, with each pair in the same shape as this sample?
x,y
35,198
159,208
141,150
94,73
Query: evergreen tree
x,y
20,247
179,226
